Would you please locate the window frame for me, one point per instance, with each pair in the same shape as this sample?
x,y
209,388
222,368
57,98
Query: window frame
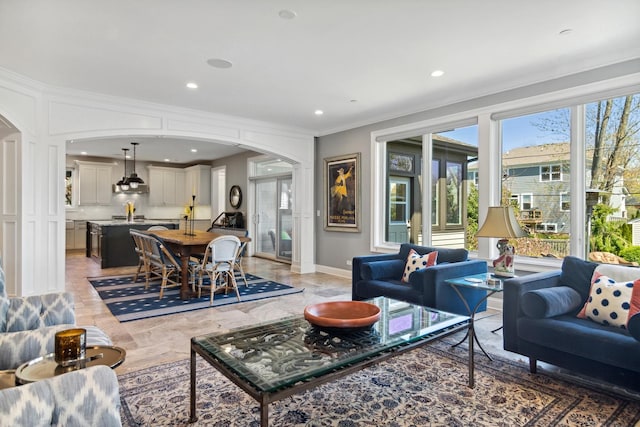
x,y
551,173
488,116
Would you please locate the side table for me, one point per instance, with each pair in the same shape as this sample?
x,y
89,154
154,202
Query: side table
x,y
46,367
476,281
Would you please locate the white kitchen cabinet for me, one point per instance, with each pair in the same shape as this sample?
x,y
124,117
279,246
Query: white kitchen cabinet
x,y
198,183
69,235
166,186
94,183
80,235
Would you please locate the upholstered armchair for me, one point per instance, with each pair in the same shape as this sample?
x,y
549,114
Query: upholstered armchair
x,y
381,274
87,397
28,325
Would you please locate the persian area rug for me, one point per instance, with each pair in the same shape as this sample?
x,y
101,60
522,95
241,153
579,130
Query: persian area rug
x,y
129,300
423,387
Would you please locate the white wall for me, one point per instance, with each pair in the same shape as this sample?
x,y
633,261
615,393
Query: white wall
x,y
47,117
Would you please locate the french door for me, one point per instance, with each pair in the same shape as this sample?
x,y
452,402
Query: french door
x,y
273,219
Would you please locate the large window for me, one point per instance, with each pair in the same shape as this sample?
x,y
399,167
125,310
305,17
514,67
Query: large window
x,y
534,160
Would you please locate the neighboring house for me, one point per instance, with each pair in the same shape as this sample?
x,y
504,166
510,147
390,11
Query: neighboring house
x,y
449,195
537,179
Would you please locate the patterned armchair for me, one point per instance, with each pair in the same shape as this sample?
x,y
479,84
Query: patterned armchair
x,y
28,325
87,397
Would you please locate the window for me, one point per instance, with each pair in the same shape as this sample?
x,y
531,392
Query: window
x,y
547,227
536,155
399,200
550,173
69,198
565,202
454,193
435,193
538,148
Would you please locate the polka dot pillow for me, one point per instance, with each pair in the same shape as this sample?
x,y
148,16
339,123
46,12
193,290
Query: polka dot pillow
x,y
611,303
415,262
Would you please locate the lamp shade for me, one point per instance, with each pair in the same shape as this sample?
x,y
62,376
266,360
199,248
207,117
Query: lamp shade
x,y
501,223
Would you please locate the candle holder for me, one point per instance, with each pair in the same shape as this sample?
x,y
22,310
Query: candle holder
x,y
70,346
189,219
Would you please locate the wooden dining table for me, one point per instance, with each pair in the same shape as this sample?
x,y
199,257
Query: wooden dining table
x,y
184,245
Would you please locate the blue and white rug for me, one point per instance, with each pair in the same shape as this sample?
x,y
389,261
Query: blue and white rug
x,y
129,300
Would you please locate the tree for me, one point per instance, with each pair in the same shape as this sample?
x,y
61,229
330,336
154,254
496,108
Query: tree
x,y
615,127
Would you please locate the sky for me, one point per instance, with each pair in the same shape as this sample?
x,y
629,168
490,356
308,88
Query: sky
x,y
516,132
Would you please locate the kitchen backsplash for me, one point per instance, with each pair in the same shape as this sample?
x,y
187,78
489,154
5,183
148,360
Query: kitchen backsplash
x,y
142,207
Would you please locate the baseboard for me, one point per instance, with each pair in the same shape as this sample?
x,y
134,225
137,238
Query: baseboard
x,y
494,303
346,274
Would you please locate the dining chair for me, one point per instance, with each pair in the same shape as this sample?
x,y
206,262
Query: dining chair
x,y
163,261
139,249
237,265
157,227
218,263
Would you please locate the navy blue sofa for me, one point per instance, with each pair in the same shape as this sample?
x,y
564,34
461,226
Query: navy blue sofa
x,y
540,322
380,275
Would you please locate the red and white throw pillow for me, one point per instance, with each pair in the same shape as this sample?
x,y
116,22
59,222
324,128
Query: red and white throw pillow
x,y
611,303
415,262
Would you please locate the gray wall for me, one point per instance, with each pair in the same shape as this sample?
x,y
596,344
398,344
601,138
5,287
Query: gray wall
x,y
236,174
334,248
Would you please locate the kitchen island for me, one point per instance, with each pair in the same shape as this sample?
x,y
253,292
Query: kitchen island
x,y
109,242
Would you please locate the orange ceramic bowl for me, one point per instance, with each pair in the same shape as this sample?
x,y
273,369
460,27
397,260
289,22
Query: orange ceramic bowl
x,y
342,314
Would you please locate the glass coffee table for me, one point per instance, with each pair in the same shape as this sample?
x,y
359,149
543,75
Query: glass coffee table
x,y
276,359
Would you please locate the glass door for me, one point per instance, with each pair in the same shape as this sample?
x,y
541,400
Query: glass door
x,y
265,220
273,220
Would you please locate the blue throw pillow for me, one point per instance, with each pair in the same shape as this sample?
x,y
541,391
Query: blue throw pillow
x,y
550,302
380,270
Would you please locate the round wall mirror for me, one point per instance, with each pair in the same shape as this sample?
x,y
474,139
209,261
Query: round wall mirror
x,y
235,196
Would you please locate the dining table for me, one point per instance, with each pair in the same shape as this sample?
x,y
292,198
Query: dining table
x,y
184,245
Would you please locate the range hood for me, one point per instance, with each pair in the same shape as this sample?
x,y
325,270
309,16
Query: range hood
x,y
142,188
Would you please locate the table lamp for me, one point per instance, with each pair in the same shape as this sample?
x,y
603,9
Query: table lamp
x,y
501,223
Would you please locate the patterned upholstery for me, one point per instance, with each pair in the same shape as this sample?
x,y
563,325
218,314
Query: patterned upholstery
x,y
28,325
88,397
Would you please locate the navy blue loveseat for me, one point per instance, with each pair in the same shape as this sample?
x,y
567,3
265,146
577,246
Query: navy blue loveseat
x,y
540,322
380,275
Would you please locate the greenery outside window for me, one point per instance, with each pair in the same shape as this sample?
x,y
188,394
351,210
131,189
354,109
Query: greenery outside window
x,y
69,194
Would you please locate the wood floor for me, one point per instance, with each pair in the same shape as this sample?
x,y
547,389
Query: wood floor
x,y
163,339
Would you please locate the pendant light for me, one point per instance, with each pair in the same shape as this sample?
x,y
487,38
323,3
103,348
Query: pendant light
x,y
134,180
123,184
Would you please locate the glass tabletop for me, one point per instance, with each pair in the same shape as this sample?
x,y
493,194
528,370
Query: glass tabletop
x,y
484,281
281,353
46,367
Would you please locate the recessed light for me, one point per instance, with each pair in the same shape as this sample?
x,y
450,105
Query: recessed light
x,y
84,153
318,112
287,14
565,32
167,160
194,150
437,73
192,85
219,63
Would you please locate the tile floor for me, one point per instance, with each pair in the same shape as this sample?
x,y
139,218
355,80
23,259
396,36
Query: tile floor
x,y
164,339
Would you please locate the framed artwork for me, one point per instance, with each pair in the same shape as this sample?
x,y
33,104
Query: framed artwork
x,y
342,193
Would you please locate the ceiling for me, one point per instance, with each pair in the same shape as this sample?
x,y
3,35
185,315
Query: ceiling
x,y
359,61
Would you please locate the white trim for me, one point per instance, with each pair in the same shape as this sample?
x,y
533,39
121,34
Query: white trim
x,y
346,274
